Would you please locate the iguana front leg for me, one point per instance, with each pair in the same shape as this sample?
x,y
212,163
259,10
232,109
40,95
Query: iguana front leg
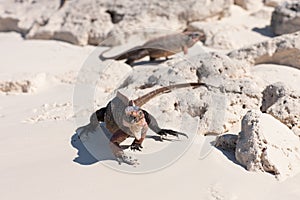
x,y
185,50
118,137
137,143
153,125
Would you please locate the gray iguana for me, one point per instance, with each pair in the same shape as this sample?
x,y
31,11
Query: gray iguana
x,y
124,118
163,46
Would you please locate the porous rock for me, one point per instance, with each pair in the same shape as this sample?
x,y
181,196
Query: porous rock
x,y
249,4
219,108
219,35
286,18
286,110
265,144
273,3
88,22
283,104
271,94
77,22
284,50
21,16
226,142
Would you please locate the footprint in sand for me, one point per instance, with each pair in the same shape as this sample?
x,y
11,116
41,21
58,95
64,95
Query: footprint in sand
x,y
51,112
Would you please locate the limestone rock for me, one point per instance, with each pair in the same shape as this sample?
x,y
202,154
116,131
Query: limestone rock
x,y
222,107
78,22
283,104
226,142
218,35
284,50
7,87
216,65
249,4
225,33
286,18
219,108
271,95
273,3
286,110
267,145
21,16
92,21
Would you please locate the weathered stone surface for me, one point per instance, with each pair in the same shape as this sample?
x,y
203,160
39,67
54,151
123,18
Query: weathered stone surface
x,y
267,145
219,35
88,22
273,3
271,95
218,108
283,104
286,109
216,65
21,16
286,18
15,86
77,22
226,142
249,4
283,50
226,33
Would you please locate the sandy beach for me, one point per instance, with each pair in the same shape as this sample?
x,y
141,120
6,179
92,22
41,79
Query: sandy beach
x,y
41,115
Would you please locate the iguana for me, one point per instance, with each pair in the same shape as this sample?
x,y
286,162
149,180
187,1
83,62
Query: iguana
x,y
163,46
124,118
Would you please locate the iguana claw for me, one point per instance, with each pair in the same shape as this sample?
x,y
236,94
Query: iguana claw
x,y
127,159
165,132
135,146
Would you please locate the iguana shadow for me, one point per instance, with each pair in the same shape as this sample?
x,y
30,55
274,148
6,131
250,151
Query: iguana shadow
x,y
92,146
152,62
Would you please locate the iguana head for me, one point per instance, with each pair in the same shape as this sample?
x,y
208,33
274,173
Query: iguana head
x,y
135,120
133,114
193,37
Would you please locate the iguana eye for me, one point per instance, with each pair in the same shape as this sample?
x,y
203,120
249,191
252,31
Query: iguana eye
x,y
140,113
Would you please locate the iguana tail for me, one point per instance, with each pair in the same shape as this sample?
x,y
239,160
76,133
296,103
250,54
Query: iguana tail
x,y
125,55
145,98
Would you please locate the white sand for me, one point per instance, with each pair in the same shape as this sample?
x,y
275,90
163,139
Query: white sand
x,y
37,153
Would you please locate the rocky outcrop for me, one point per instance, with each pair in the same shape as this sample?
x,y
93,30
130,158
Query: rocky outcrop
x,y
219,35
92,21
226,33
284,50
15,86
249,4
286,18
282,104
226,142
273,3
233,93
21,16
286,109
271,95
267,145
219,108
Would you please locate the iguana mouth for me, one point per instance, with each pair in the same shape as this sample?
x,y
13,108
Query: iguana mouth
x,y
133,114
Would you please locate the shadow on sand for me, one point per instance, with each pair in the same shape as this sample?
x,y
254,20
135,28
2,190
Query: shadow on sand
x,y
150,62
93,145
266,31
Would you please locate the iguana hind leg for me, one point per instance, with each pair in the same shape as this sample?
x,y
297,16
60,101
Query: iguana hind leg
x,y
118,137
152,58
136,55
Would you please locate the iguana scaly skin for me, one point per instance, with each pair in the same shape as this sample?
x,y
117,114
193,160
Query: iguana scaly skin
x,y
124,118
159,47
